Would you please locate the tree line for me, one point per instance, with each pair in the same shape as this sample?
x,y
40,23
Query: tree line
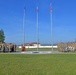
x,y
2,36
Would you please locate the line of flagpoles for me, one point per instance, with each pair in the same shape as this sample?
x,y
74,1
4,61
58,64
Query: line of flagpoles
x,y
38,27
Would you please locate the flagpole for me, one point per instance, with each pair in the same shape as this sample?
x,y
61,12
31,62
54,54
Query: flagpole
x,y
24,28
23,47
37,30
51,27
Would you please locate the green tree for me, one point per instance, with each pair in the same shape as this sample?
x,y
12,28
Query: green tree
x,y
2,37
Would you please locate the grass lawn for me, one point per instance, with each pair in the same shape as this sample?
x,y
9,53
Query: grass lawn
x,y
51,64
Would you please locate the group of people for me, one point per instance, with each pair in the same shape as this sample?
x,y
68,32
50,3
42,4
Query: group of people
x,y
7,47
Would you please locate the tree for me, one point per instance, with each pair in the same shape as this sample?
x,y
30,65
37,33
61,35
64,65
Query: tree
x,y
2,37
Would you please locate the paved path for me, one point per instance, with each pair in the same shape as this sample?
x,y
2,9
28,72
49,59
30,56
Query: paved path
x,y
36,52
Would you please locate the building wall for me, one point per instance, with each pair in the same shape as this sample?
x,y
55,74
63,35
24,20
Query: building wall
x,y
39,46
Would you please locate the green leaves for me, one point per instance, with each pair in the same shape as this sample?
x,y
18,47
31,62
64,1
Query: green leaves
x,y
2,37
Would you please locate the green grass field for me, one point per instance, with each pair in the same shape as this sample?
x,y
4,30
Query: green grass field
x,y
52,64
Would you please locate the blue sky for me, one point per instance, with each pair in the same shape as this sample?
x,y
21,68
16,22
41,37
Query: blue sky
x,y
64,20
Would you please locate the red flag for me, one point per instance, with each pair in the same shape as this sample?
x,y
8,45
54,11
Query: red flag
x,y
37,9
50,9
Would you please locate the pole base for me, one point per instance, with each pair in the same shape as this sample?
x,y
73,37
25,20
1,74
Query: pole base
x,y
23,48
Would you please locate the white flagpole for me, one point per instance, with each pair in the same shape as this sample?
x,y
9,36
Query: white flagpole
x,y
24,28
23,39
51,27
37,30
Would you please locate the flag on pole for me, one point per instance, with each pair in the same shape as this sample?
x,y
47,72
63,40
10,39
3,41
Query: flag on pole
x,y
24,8
37,9
50,7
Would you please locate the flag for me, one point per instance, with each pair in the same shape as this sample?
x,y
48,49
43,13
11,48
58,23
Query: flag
x,y
50,9
24,7
37,9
